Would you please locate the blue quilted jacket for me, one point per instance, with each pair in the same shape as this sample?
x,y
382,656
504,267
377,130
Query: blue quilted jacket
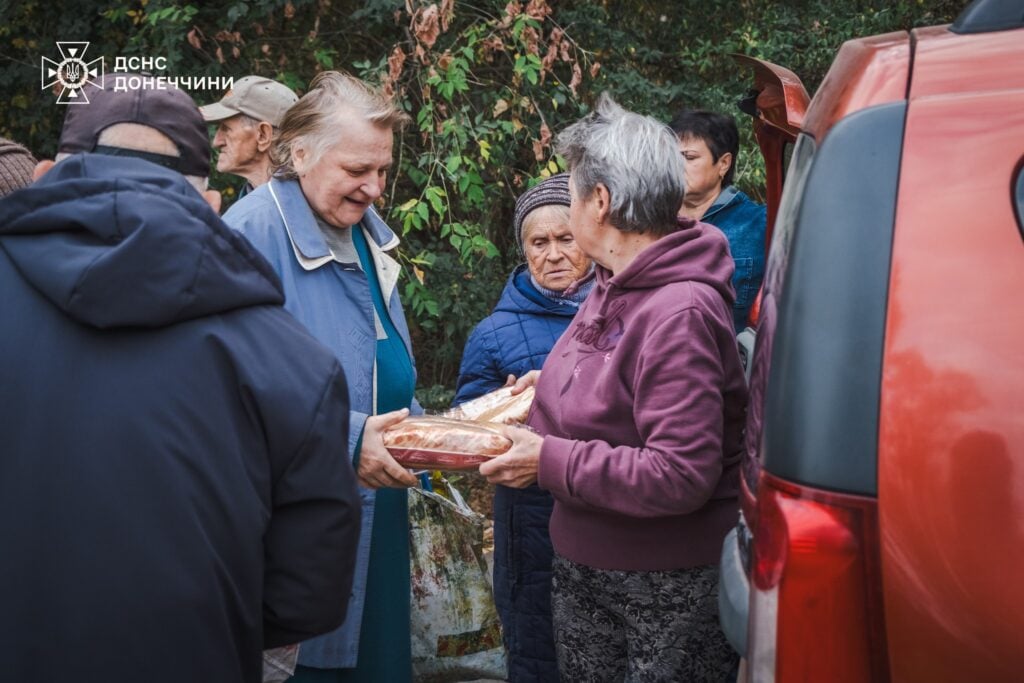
x,y
515,339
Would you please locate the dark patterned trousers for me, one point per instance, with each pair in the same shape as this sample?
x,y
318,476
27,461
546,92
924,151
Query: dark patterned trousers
x,y
638,626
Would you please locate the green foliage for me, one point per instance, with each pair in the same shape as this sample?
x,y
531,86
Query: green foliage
x,y
487,85
436,397
660,58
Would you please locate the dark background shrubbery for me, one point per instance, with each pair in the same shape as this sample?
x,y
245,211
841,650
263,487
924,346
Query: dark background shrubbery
x,y
487,83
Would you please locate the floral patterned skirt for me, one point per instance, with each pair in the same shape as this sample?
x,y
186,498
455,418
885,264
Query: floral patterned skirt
x,y
639,625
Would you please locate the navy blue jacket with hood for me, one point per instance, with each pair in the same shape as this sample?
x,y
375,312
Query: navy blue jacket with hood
x,y
175,492
513,340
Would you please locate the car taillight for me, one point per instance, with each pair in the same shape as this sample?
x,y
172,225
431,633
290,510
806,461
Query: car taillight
x,y
816,600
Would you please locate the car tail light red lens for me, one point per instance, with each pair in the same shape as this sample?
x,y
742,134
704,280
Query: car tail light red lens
x,y
816,608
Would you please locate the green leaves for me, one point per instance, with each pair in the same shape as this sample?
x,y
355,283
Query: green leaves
x,y
325,56
481,81
435,195
528,66
171,15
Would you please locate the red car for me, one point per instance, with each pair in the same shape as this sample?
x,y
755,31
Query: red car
x,y
882,534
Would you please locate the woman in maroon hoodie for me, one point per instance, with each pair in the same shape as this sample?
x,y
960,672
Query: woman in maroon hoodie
x,y
639,414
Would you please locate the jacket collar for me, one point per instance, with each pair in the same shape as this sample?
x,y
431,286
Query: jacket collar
x,y
723,199
311,249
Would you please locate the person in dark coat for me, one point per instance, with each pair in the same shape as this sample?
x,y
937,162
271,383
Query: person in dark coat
x,y
537,304
175,491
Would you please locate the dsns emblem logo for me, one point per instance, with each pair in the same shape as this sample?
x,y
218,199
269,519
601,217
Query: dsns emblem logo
x,y
72,72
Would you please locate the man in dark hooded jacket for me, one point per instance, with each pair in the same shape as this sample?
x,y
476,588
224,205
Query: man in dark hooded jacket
x,y
175,492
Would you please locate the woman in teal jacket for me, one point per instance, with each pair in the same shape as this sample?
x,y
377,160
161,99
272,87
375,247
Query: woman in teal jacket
x,y
315,223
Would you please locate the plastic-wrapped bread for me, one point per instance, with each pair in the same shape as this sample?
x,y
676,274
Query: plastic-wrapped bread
x,y
497,406
441,443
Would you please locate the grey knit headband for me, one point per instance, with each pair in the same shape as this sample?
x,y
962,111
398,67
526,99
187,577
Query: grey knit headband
x,y
554,190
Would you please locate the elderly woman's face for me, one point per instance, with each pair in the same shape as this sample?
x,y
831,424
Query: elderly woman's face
x,y
552,255
703,174
350,176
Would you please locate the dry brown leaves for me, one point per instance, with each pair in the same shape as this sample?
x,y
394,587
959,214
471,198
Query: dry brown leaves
x,y
396,60
577,78
426,25
194,38
512,10
538,9
540,145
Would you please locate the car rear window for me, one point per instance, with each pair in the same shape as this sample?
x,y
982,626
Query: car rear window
x,y
822,397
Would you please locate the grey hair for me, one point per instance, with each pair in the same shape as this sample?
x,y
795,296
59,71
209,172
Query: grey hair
x,y
144,139
635,157
247,121
312,122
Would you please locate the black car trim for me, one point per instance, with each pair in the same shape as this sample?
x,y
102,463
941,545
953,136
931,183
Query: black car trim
x,y
823,393
985,16
1019,196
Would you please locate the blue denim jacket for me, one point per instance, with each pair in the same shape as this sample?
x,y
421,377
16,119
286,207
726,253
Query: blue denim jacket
x,y
333,301
743,221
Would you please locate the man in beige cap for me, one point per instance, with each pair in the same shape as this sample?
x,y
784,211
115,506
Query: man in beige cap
x,y
247,116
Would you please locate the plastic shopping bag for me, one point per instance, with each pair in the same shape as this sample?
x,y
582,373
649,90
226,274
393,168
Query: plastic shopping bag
x,y
456,635
279,663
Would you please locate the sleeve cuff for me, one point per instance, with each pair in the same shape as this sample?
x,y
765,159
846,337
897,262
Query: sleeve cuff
x,y
356,423
415,408
553,470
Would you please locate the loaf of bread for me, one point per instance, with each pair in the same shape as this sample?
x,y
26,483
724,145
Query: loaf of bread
x,y
497,406
440,443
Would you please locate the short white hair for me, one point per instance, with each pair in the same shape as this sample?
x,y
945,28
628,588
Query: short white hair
x,y
312,122
635,157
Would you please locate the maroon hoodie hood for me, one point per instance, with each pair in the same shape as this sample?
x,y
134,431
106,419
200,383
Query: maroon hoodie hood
x,y
696,252
641,403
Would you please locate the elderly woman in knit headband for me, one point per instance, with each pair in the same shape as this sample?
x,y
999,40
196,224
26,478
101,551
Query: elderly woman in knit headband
x,y
538,303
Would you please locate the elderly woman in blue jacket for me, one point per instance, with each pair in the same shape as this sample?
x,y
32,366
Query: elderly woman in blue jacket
x,y
537,304
315,224
710,145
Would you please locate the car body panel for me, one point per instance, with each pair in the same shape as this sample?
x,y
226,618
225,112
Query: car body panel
x,y
946,63
780,105
951,445
866,72
782,99
852,84
951,419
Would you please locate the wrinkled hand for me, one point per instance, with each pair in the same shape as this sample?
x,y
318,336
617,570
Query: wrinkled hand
x,y
520,385
377,469
518,466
